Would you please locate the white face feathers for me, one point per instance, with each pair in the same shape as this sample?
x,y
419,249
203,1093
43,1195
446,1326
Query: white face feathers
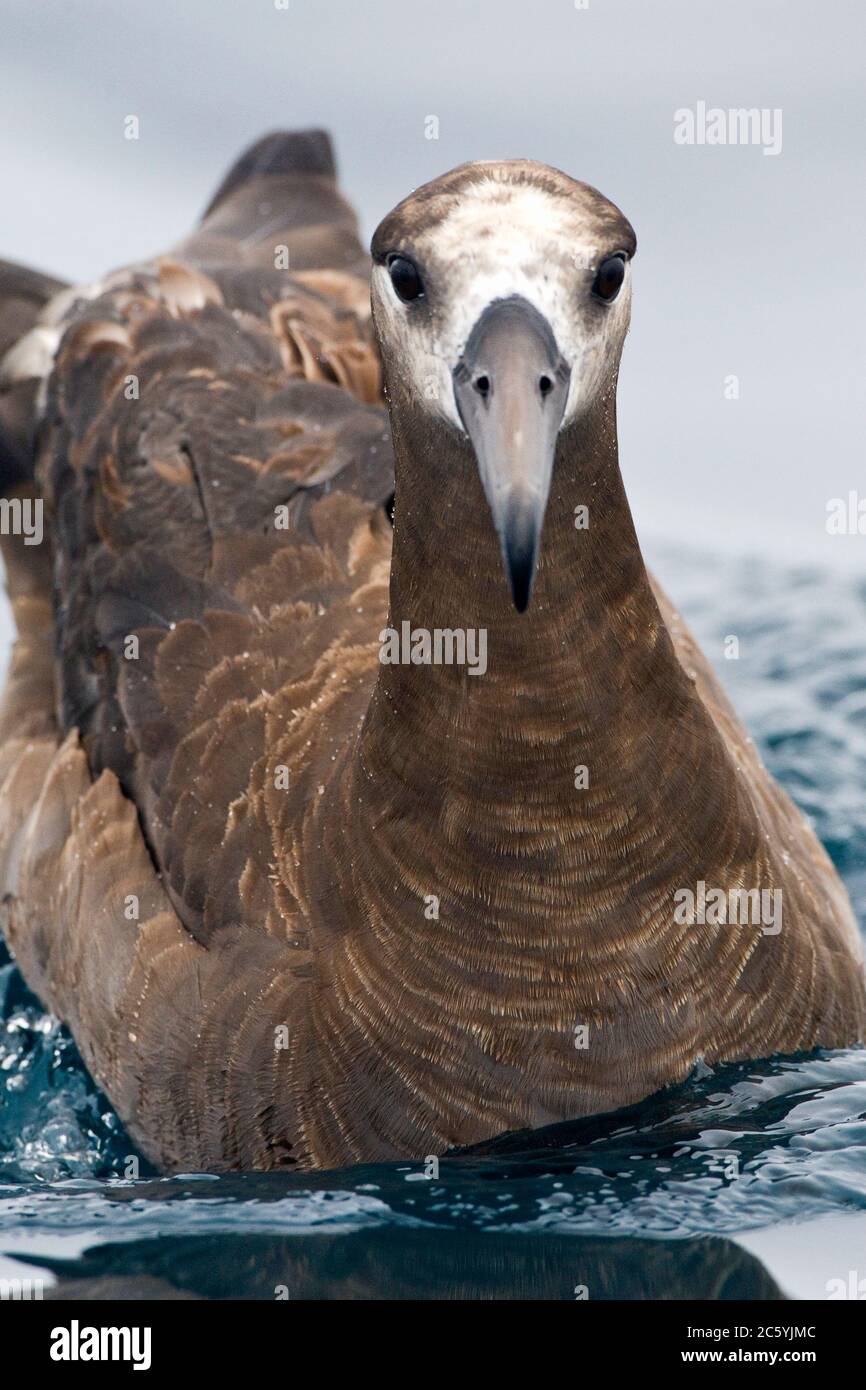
x,y
492,233
501,297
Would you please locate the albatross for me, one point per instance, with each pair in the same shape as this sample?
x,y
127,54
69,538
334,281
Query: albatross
x,y
302,904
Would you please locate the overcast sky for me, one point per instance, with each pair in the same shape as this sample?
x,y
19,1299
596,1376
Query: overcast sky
x,y
749,264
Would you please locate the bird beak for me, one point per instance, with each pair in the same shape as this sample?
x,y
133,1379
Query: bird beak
x,y
510,387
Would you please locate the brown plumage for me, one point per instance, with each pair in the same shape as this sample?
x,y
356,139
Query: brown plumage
x,y
226,829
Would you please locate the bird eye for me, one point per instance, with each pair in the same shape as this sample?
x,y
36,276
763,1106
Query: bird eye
x,y
405,278
609,278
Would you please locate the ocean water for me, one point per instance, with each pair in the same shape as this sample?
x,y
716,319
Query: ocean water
x,y
745,1182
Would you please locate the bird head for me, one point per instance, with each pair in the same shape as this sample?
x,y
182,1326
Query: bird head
x,y
501,296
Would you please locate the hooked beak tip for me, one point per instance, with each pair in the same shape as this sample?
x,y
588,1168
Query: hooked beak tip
x,y
521,585
520,552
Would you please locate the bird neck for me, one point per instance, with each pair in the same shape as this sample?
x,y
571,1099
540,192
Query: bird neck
x,y
581,736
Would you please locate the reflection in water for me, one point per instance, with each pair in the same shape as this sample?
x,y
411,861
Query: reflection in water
x,y
416,1264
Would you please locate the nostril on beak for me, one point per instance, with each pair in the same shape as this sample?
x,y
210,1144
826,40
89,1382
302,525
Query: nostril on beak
x,y
482,386
545,385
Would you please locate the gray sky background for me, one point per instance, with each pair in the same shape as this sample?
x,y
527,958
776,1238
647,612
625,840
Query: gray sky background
x,y
747,264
